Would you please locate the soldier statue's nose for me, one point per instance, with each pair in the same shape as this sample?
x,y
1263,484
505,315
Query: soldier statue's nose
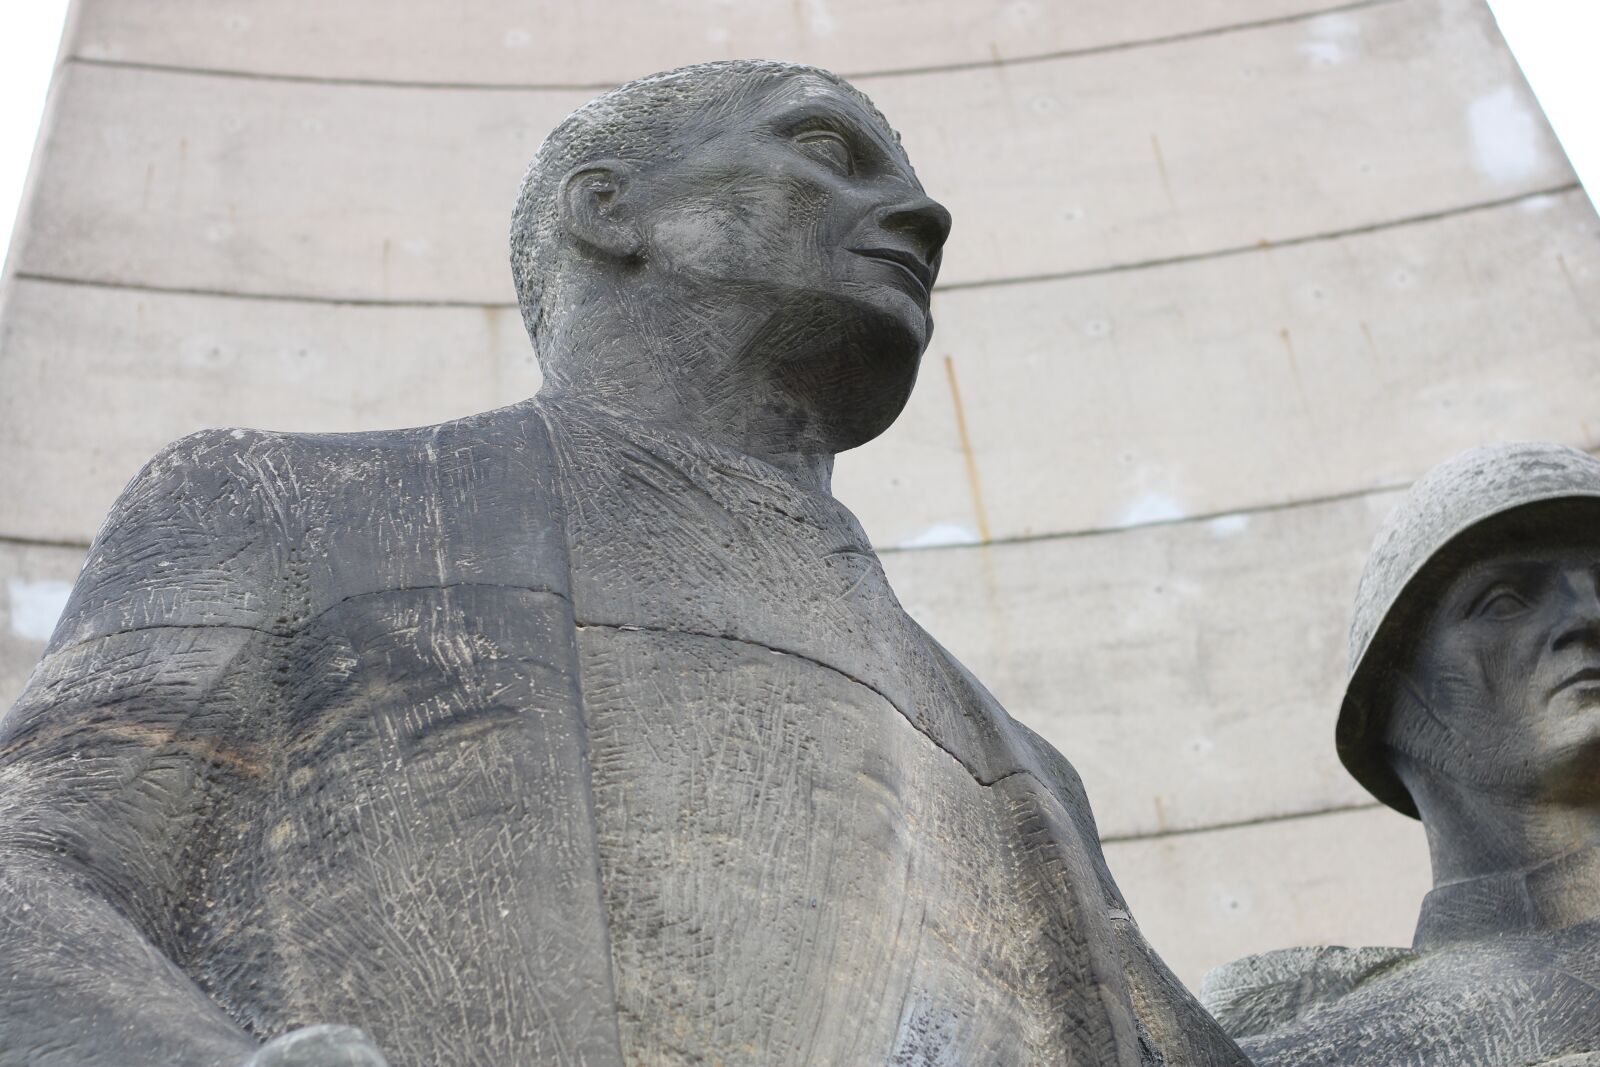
x,y
1581,622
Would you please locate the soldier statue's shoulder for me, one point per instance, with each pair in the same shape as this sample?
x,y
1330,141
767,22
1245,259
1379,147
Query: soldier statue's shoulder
x,y
1270,990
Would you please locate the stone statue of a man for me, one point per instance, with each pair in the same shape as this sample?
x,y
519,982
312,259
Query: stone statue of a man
x,y
1474,705
582,732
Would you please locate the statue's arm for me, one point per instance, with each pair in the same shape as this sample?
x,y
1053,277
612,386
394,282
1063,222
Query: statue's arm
x,y
97,800
1178,1031
1181,1031
108,767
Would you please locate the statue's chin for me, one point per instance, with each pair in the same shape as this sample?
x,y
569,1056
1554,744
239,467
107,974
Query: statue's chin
x,y
855,371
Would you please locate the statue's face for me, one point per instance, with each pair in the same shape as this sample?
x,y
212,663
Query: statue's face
x,y
800,209
1508,668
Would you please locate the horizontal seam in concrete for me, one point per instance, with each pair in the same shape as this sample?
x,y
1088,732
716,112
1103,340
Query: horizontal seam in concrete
x,y
988,283
1127,46
1020,539
278,298
42,542
595,87
1241,824
1209,516
1107,531
1266,245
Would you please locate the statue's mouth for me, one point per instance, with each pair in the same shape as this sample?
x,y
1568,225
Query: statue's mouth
x,y
908,262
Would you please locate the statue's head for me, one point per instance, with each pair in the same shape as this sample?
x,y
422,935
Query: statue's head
x,y
1476,643
746,227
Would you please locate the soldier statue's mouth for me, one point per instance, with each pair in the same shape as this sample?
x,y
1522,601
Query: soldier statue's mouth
x,y
908,262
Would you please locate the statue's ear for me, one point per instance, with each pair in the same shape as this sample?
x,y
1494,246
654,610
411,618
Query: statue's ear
x,y
596,209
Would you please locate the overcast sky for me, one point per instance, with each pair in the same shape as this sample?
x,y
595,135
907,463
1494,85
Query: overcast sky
x,y
1554,40
27,54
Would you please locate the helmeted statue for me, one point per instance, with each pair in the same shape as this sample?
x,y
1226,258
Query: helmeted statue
x,y
1473,704
587,731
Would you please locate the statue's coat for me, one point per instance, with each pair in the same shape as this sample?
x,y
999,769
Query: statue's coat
x,y
545,738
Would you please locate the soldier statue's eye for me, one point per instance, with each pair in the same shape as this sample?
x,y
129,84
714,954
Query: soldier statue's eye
x,y
1499,602
830,148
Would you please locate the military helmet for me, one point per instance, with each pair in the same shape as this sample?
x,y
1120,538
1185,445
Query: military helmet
x,y
1444,504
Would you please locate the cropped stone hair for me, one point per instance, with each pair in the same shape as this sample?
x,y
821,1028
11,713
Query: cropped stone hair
x,y
640,122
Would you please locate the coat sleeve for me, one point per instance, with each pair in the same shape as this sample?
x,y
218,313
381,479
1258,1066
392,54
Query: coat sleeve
x,y
1174,1030
110,763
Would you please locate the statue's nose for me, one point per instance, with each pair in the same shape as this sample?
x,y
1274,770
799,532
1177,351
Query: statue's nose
x,y
924,221
1581,621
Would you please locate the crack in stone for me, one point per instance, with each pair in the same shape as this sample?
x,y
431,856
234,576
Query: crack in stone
x,y
846,675
288,633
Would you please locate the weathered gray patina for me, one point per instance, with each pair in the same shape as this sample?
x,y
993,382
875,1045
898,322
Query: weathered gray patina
x,y
585,731
1474,705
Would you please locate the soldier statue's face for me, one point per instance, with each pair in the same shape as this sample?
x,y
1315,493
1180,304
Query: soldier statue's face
x,y
1508,670
798,206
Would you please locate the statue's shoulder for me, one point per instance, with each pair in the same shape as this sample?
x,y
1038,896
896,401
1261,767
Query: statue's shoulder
x,y
214,525
519,426
1056,771
1265,992
191,541
280,470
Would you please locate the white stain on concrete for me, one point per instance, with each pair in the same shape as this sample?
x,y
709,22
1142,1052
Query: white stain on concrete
x,y
1151,507
819,19
1331,40
1228,525
941,534
1324,53
1505,135
1022,12
35,606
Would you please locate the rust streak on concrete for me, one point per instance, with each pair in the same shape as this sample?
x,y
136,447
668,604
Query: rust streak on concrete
x,y
974,483
1161,166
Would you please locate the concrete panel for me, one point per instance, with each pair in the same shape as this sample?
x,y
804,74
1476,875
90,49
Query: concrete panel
x,y
1349,365
98,379
1271,376
1067,165
34,583
231,185
1191,672
1351,878
1088,402
514,42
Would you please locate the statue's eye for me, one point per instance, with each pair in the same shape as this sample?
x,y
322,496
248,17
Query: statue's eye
x,y
830,148
1499,603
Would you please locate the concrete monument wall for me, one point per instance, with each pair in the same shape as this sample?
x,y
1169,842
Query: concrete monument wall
x,y
1225,275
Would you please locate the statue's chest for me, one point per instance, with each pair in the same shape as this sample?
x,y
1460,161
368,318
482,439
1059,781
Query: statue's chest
x,y
794,874
668,541
815,845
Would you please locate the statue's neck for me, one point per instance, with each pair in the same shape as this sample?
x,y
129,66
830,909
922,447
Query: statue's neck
x,y
659,414
1550,894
